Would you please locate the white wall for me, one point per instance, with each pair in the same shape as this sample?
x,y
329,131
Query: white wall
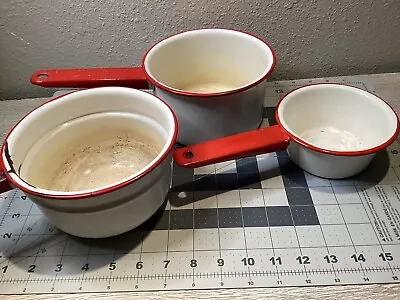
x,y
311,38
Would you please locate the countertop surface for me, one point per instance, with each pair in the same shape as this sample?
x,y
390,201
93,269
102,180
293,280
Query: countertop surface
x,y
386,86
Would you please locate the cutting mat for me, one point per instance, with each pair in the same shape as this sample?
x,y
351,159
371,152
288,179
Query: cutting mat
x,y
255,222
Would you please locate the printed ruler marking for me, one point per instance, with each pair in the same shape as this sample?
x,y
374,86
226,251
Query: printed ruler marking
x,y
205,275
3,198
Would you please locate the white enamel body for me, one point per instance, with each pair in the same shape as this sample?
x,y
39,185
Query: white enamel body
x,y
137,202
214,117
326,165
116,209
214,80
334,130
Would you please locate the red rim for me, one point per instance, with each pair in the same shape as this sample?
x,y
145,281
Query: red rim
x,y
96,192
194,94
335,152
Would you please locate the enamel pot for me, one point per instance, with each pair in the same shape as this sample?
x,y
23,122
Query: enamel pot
x,y
329,130
38,139
214,80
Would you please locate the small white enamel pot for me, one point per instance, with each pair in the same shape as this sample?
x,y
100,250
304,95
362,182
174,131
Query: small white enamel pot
x,y
110,209
330,130
214,80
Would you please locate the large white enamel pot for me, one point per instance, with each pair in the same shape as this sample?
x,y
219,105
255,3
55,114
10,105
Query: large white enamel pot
x,y
109,209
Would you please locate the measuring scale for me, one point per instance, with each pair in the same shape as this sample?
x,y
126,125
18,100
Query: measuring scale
x,y
254,222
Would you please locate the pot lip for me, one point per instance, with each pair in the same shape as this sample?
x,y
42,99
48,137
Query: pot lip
x,y
161,86
95,192
368,151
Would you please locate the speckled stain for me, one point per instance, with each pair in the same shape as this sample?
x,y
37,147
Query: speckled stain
x,y
311,38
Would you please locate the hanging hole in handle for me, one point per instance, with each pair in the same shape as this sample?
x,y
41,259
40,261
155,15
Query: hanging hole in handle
x,y
188,155
42,76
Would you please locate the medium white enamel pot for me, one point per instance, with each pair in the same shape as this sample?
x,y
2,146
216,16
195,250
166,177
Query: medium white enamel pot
x,y
113,208
214,80
330,130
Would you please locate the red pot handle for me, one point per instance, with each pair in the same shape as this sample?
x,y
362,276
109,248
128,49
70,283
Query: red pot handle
x,y
90,78
259,141
4,185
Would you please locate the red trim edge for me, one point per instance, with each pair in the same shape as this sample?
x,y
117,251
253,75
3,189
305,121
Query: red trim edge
x,y
98,192
335,152
203,95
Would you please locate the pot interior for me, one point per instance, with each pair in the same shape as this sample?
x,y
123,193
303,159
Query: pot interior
x,y
337,118
90,140
209,61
